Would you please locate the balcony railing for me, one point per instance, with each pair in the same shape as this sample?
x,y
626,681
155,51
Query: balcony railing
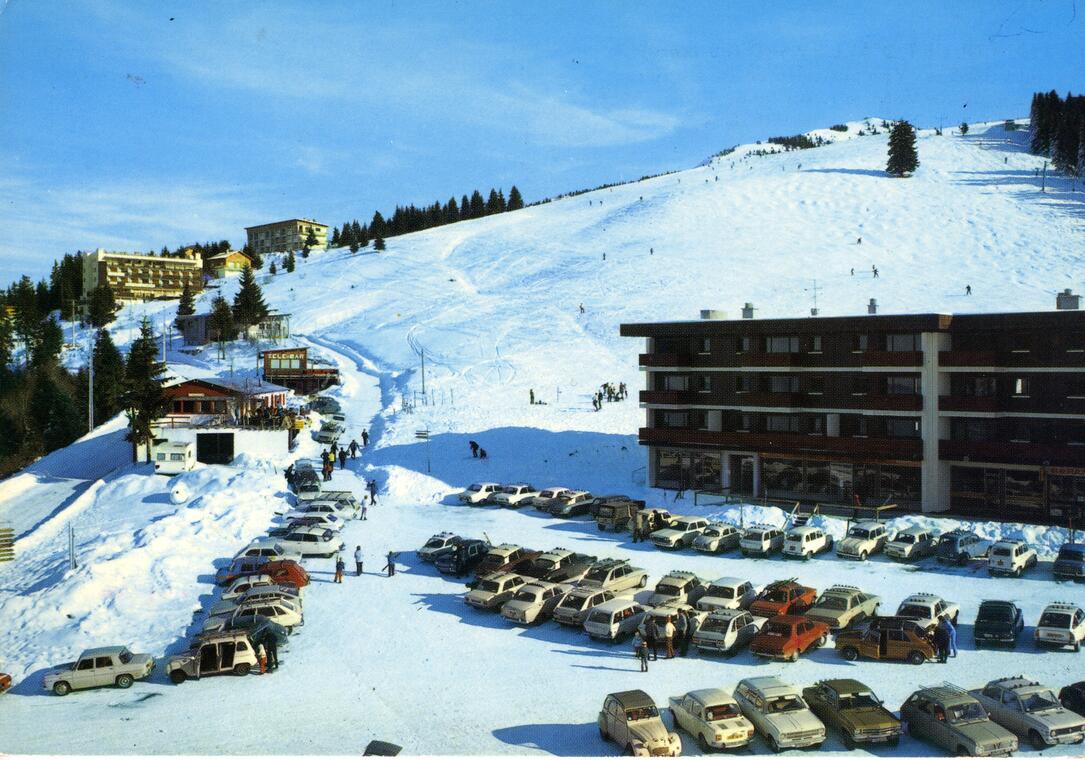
x,y
664,360
895,403
785,443
1039,358
1011,404
1008,452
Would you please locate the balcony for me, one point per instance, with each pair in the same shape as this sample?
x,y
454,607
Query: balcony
x,y
1044,358
664,360
888,359
787,443
1007,452
1011,404
761,399
670,398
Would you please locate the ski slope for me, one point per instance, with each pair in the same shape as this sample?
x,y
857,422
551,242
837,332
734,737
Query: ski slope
x,y
493,304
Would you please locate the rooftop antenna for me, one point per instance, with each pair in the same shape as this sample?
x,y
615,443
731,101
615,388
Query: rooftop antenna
x,y
814,289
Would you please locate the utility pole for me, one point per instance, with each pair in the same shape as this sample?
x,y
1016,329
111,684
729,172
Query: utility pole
x,y
90,387
1043,179
423,374
814,289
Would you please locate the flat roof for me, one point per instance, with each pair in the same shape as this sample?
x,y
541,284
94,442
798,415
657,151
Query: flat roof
x,y
927,322
287,221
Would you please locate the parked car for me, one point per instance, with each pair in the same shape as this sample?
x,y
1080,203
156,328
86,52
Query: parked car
x,y
1030,710
615,575
725,632
560,566
887,638
248,583
479,493
1070,562
1011,558
806,541
840,606
309,520
465,556
569,504
959,546
786,597
269,594
613,620
785,637
669,611
610,499
104,666
325,405
713,718
779,712
952,719
998,623
852,708
313,541
682,532
1061,625
534,602
727,594
329,432
225,652
321,507
863,539
256,625
544,496
285,571
630,719
761,541
928,609
577,603
505,558
5,682
491,591
911,544
515,495
679,585
269,548
437,545
616,515
239,567
1072,697
717,537
280,611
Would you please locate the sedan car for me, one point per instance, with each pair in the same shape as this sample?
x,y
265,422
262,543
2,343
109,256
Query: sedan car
x,y
785,637
954,720
313,542
779,712
717,537
680,533
1032,711
852,709
998,624
713,718
266,547
928,609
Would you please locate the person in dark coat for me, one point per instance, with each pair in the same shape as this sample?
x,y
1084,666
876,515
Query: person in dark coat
x,y
340,566
474,448
353,449
288,473
681,626
482,453
271,646
941,643
372,488
391,566
651,636
342,458
365,437
640,649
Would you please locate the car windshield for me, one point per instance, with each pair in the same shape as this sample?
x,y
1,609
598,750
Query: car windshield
x,y
668,589
527,596
858,701
512,489
474,487
996,613
713,532
832,603
905,538
786,703
680,525
435,543
599,574
1071,555
641,713
859,533
914,612
721,712
969,712
1055,620
1039,701
125,656
724,592
772,628
776,595
546,564
599,616
491,586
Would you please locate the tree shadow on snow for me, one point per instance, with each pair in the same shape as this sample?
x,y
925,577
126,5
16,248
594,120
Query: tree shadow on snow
x,y
562,739
861,172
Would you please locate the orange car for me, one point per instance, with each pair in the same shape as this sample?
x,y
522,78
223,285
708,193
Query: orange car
x,y
286,571
5,682
783,598
785,637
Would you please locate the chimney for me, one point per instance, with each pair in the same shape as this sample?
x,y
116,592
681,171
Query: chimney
x,y
872,307
1067,301
748,310
713,314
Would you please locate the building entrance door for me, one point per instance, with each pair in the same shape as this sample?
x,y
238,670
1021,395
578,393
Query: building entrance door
x,y
215,448
741,474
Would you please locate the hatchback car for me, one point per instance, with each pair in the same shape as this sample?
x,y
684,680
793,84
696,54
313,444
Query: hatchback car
x,y
784,597
785,637
717,537
1061,625
631,720
998,624
954,720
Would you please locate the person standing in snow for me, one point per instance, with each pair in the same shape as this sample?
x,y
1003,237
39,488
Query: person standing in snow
x,y
482,453
390,568
690,631
875,270
353,449
668,638
261,657
680,627
651,636
365,437
371,486
531,396
640,651
951,636
365,509
357,560
941,643
474,449
288,473
342,458
272,650
340,566
581,308
968,290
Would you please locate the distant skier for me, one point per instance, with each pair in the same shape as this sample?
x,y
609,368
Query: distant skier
x,y
874,269
859,241
482,454
372,488
474,448
968,290
365,437
853,271
353,449
581,308
531,395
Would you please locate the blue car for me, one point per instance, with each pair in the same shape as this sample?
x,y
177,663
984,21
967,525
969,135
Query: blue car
x,y
1070,564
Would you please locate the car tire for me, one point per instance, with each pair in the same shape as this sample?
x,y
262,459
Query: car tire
x,y
1018,571
863,555
849,743
703,744
1077,646
1036,740
851,654
821,641
773,744
124,680
643,582
962,558
242,669
628,751
603,733
961,752
915,657
806,557
178,676
61,688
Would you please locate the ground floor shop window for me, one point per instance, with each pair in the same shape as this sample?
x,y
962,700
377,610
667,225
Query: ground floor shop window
x,y
998,492
814,479
688,469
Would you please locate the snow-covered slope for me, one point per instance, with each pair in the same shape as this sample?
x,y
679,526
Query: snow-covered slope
x,y
494,306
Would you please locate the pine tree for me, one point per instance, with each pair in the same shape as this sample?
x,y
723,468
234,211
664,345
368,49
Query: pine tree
x,y
221,321
310,240
186,306
249,306
377,227
7,352
354,246
144,399
272,269
478,206
108,377
465,208
964,128
516,201
288,262
334,243
903,156
378,243
256,259
24,300
103,306
52,413
47,347
361,234
451,211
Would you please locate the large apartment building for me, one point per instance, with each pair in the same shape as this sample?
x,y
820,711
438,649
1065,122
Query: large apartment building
x,y
979,414
136,277
288,235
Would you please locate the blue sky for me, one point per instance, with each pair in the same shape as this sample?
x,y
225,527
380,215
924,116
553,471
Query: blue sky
x,y
136,125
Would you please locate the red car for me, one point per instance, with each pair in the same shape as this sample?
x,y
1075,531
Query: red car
x,y
785,637
5,682
783,598
286,571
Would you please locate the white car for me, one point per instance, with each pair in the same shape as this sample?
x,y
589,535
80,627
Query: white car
x,y
681,532
761,541
1062,624
492,591
516,495
575,605
717,537
247,583
727,594
265,595
863,539
319,507
279,611
840,606
269,548
806,541
438,544
911,543
544,496
679,586
305,519
713,718
779,712
1011,558
725,631
534,602
1032,711
479,493
928,609
614,575
614,619
313,541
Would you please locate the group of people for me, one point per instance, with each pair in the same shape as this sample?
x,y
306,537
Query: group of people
x,y
673,635
477,452
608,392
267,653
644,525
359,564
944,637
267,418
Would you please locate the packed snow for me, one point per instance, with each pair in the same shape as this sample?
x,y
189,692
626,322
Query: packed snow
x,y
493,304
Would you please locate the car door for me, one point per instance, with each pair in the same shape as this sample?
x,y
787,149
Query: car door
x,y
1010,713
82,676
616,723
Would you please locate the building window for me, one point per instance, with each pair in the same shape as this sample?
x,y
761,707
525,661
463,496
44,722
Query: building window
x,y
903,342
901,385
817,424
862,342
815,344
898,427
1020,386
744,344
742,383
706,345
706,383
782,344
745,423
781,423
676,419
783,384
815,384
675,383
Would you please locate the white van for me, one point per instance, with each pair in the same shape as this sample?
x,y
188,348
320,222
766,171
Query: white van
x,y
171,458
614,619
